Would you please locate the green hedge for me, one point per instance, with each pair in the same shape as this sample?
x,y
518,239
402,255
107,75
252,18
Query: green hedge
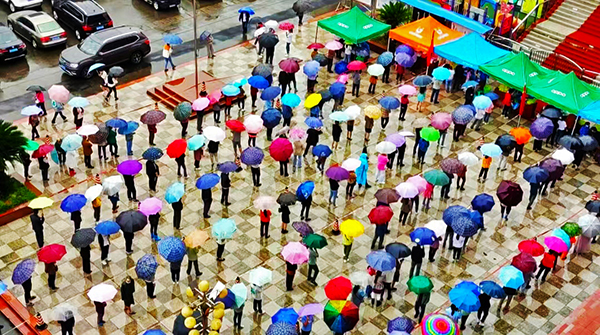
x,y
13,194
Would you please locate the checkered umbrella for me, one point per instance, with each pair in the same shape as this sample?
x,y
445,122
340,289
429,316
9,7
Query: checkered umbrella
x,y
171,249
23,271
83,237
402,324
153,117
146,267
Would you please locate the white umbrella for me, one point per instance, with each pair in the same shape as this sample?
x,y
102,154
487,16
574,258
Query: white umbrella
x,y
112,184
64,311
271,24
353,111
590,225
253,123
406,133
264,202
468,158
31,110
93,192
375,69
385,147
407,190
564,156
438,227
260,31
87,130
102,292
260,276
351,164
360,278
213,133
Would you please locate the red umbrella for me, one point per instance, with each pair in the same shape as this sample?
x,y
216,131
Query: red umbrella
x,y
289,65
51,253
532,247
524,262
281,149
42,151
316,46
356,65
177,148
381,215
339,288
286,26
235,125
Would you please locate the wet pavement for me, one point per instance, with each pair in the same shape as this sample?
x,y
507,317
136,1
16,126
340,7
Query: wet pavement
x,y
218,17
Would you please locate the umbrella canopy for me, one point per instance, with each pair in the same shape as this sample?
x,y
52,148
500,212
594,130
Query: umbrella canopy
x,y
152,154
452,165
321,150
441,73
224,229
281,328
535,174
289,65
337,173
311,68
492,289
422,81
572,229
264,202
311,309
420,284
339,117
146,266
51,253
271,117
112,184
131,221
338,288
571,142
531,247
286,199
40,203
207,181
235,125
315,241
73,202
562,235
340,67
79,102
436,177
441,121
182,111
524,262
356,65
593,205
42,150
437,226
483,202
381,215
407,90
290,99
423,236
511,277
107,228
203,102
464,300
116,71
334,45
230,90
87,130
352,228
400,324
303,228
241,294
172,249
295,253
83,237
227,167
337,90
385,58
23,271
468,158
63,312
360,278
71,142
174,192
590,225
196,239
252,156
438,324
381,260
321,59
287,315
270,93
268,40
150,206
32,146
564,156
407,190
490,150
374,69
281,149
351,164
177,148
260,276
305,190
259,81
482,102
387,195
313,100
463,114
509,193
588,143
521,135
340,315
130,128
398,250
102,292
196,142
554,168
253,124
385,147
462,224
397,139
374,112
541,128
129,167
153,117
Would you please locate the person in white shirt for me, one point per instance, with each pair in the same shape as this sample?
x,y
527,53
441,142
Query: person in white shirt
x,y
457,243
449,80
289,38
435,91
167,51
479,115
561,131
348,53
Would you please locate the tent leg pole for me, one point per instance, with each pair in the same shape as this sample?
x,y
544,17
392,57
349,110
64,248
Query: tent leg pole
x,y
316,33
519,121
575,125
388,46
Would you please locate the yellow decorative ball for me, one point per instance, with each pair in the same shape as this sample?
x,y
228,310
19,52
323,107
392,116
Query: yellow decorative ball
x,y
219,313
186,311
219,305
194,332
213,333
189,292
223,294
190,322
215,324
203,286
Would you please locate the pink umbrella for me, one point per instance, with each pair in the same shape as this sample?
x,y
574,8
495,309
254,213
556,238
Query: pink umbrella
x,y
297,134
201,103
407,90
356,65
342,78
334,45
150,206
253,124
407,190
419,182
59,93
311,309
441,121
214,96
281,149
556,244
295,253
397,139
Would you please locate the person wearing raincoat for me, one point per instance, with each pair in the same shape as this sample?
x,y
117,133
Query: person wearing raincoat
x,y
382,161
361,172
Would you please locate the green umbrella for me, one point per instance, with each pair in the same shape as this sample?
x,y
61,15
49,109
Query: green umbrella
x,y
314,241
182,111
430,134
31,145
437,177
420,284
572,229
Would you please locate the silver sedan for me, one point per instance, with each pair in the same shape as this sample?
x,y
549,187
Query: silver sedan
x,y
38,28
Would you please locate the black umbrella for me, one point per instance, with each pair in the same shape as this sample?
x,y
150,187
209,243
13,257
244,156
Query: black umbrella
x,y
263,70
268,40
116,71
101,135
131,221
552,113
593,206
571,143
255,20
554,167
179,327
398,250
321,59
35,88
589,143
287,199
325,95
506,142
83,237
301,6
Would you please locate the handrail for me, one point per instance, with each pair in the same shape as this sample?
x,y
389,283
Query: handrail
x,y
535,8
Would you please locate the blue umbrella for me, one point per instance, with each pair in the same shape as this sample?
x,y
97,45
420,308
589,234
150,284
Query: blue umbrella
x,y
482,102
542,128
400,324
511,277
313,122
270,93
146,267
287,315
228,301
305,190
224,229
423,236
321,150
252,156
535,174
562,235
339,116
381,260
385,58
311,68
207,181
281,328
491,150
483,203
132,126
492,289
54,156
152,154
107,228
463,114
95,66
469,286
290,99
405,60
422,81
389,102
325,96
172,39
23,271
240,82
341,67
337,89
174,192
73,202
227,167
79,102
271,117
403,48
196,142
477,218
493,96
172,249
246,9
464,300
470,83
116,123
463,225
452,212
258,82
154,332
441,73
230,90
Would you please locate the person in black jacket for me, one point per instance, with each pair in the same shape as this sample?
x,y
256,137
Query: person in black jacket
x,y
85,259
484,310
128,242
336,133
177,208
127,290
27,288
290,272
416,257
104,242
255,169
37,223
66,326
51,269
305,208
207,200
150,287
100,306
181,165
26,161
312,139
153,220
153,172
225,184
285,217
175,269
213,151
130,185
44,166
76,218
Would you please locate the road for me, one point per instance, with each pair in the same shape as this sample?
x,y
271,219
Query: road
x,y
220,18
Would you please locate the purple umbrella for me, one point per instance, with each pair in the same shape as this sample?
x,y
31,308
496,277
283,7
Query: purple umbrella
x,y
397,139
337,173
227,167
311,309
23,271
303,228
554,167
541,128
129,167
252,156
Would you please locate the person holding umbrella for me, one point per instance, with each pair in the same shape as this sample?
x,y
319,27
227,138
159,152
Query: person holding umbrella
x,y
166,53
78,116
361,172
244,18
225,185
51,269
127,290
100,307
111,139
313,268
152,171
416,256
130,185
85,253
67,325
87,152
111,83
104,241
37,224
34,122
22,275
284,208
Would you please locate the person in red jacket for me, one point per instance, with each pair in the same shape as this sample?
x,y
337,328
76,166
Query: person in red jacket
x,y
265,219
546,265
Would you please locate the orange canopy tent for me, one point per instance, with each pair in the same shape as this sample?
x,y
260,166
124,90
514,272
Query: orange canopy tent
x,y
420,34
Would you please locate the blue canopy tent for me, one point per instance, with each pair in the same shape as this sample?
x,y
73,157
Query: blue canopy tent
x,y
459,19
471,50
591,112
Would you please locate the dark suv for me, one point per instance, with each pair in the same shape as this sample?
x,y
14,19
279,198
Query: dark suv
x,y
83,16
108,47
163,4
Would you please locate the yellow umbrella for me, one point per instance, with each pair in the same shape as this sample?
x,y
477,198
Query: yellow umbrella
x,y
312,100
41,202
352,228
196,239
374,112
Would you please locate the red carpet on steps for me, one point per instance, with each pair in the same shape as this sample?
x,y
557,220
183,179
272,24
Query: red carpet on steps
x,y
582,46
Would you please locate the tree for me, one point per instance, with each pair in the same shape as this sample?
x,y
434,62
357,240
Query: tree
x,y
12,141
395,13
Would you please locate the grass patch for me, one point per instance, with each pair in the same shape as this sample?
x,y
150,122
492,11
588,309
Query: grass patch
x,y
13,194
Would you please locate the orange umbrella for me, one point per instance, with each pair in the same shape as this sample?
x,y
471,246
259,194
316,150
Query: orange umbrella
x,y
521,135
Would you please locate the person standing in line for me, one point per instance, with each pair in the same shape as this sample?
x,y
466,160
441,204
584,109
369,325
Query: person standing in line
x,y
505,209
76,218
382,161
51,269
150,287
175,270
181,165
355,82
40,102
26,161
85,252
435,91
60,152
421,305
97,206
265,219
312,139
433,248
130,185
307,323
198,154
58,110
87,152
129,140
128,242
152,171
485,167
100,307
457,243
461,176
237,143
154,219
421,97
220,249
166,53
484,309
299,148
347,243
192,255
423,146
44,166
111,83
380,231
509,294
225,185
290,272
378,289
405,210
283,167
177,208
114,199
112,142
403,107
306,203
330,55
534,189
127,290
244,18
238,311
66,326
507,103
348,55
546,265
469,95
334,186
416,258
372,84
207,200
313,268
256,291
184,125
350,185
213,152
27,288
336,133
385,117
445,192
37,223
289,38
104,241
285,218
478,120
255,169
427,195
78,116
369,123
152,130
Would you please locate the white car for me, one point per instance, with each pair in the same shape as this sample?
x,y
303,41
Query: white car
x,y
15,5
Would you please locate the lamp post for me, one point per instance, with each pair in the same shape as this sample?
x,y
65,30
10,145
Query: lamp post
x,y
204,303
195,48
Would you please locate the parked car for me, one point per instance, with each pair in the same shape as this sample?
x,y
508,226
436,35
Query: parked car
x,y
163,4
15,5
83,16
37,27
10,45
109,47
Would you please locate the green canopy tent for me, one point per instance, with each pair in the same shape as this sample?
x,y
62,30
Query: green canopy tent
x,y
354,26
515,70
564,91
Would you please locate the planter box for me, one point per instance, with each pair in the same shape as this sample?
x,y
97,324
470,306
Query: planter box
x,y
22,210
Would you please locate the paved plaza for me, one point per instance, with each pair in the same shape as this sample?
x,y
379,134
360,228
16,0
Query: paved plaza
x,y
539,311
